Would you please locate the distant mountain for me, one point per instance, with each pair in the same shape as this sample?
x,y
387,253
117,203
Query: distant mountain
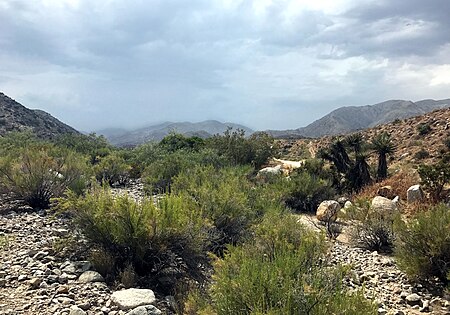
x,y
16,117
202,129
352,118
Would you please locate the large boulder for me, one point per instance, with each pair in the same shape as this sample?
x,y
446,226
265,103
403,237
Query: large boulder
x,y
328,211
131,298
414,194
275,170
383,205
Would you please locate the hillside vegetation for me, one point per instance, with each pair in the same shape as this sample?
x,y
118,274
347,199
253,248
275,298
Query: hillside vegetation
x,y
223,237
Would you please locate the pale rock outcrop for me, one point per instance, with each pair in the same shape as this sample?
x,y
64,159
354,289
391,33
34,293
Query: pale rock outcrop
x,y
131,298
328,210
414,194
90,276
383,205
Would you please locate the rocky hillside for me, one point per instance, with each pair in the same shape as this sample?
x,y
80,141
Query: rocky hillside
x,y
353,118
16,117
202,129
411,145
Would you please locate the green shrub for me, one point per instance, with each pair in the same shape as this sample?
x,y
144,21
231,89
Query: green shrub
x,y
423,129
374,233
434,177
175,141
224,198
239,150
37,174
307,191
152,239
421,154
112,169
94,146
278,272
423,247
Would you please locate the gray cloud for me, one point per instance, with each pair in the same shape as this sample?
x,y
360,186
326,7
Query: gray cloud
x,y
122,63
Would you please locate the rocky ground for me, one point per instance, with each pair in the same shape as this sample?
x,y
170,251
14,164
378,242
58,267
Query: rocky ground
x,y
36,279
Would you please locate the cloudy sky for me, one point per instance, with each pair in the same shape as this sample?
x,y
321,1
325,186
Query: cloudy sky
x,y
269,64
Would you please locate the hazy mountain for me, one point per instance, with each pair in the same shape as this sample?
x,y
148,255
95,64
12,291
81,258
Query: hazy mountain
x,y
16,117
202,129
352,118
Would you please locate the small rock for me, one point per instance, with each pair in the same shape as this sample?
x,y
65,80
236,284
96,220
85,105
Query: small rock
x,y
90,276
35,282
414,194
75,310
145,310
413,299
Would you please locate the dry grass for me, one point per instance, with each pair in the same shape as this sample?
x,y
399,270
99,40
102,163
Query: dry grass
x,y
400,182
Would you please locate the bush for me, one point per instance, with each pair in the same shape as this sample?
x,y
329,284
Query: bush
x,y
421,154
423,247
278,272
224,198
175,141
307,191
94,146
112,169
38,174
151,239
423,129
434,177
239,150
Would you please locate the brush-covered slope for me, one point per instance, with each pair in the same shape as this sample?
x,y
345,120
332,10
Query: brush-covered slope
x,y
16,117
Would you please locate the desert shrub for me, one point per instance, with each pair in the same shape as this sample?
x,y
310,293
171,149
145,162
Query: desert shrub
x,y
224,197
423,247
423,129
159,174
371,230
306,191
112,169
421,154
15,141
152,239
278,272
175,141
239,150
447,142
434,177
39,173
96,147
374,233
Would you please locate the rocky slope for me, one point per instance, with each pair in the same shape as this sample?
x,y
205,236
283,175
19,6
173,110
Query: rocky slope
x,y
347,119
202,129
16,117
404,133
35,278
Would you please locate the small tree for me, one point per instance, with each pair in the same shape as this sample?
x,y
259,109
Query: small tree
x,y
383,146
434,178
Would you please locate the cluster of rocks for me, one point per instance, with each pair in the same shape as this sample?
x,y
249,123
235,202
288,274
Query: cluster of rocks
x,y
385,202
34,279
382,281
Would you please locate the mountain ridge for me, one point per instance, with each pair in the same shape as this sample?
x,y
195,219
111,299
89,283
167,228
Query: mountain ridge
x,y
16,117
352,118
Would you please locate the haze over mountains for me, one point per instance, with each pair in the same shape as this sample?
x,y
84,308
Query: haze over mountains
x,y
16,117
202,129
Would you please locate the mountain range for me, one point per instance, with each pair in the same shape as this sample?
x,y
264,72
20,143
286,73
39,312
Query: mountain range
x,y
204,129
16,117
352,118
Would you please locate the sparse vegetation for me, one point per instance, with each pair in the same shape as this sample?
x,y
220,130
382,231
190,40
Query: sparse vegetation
x,y
424,129
434,177
423,247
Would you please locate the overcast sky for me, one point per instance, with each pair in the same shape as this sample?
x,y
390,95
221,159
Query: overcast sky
x,y
269,64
